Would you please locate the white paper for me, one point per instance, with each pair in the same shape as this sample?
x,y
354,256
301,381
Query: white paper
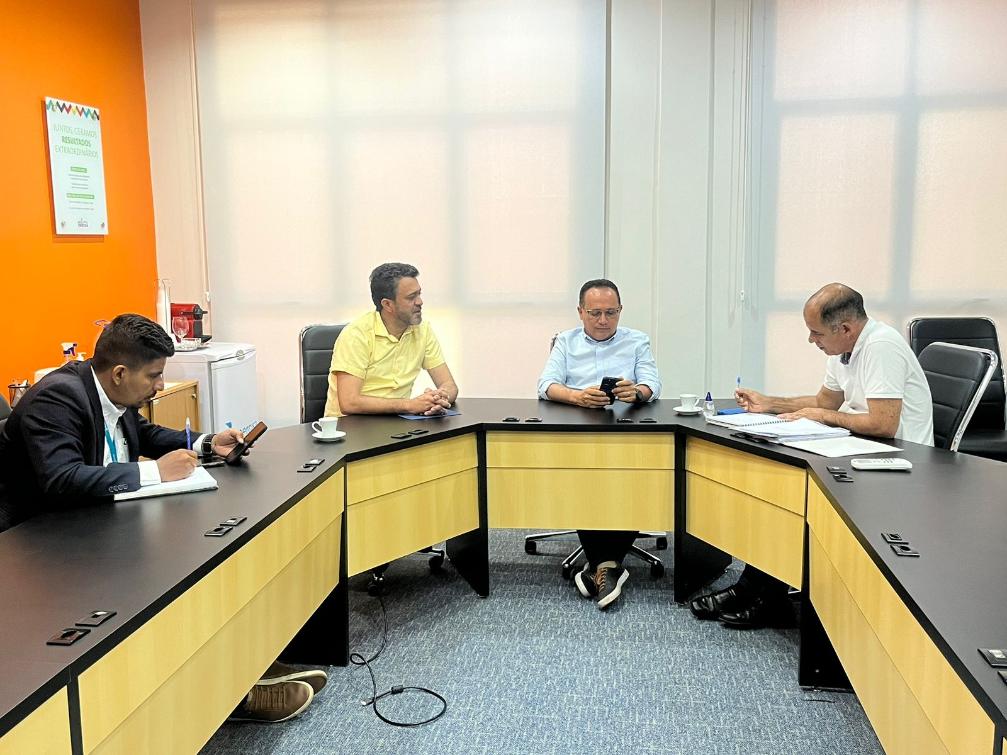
x,y
200,479
848,446
77,168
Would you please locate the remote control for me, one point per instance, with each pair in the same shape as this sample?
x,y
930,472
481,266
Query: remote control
x,y
881,465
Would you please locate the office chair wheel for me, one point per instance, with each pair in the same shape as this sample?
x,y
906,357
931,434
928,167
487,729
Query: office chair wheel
x,y
530,547
436,562
657,570
568,572
661,543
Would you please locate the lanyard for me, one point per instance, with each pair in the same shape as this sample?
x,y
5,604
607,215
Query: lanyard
x,y
110,444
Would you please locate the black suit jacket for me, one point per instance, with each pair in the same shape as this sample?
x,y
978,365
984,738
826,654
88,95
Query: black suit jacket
x,y
53,445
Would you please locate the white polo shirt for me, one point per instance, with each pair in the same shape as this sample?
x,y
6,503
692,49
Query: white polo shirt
x,y
882,365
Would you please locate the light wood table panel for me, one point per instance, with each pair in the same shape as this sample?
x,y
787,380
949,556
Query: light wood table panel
x,y
620,499
580,450
45,730
185,711
953,711
760,533
398,523
780,484
397,470
128,675
893,710
555,480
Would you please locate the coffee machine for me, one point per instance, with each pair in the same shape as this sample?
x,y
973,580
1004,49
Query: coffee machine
x,y
193,314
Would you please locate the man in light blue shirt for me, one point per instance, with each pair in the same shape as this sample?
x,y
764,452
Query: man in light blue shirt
x,y
579,360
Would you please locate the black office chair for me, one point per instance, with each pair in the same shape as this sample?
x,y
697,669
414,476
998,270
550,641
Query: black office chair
x,y
958,376
656,565
986,434
8,515
4,412
315,344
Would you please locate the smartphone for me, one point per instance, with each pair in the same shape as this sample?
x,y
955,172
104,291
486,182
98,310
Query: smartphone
x,y
250,437
608,386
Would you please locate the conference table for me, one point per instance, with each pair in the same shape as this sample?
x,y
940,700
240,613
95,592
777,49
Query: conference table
x,y
199,618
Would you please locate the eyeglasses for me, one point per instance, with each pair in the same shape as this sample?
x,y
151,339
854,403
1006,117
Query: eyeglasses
x,y
596,314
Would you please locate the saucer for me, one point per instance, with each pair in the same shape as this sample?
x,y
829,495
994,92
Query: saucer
x,y
329,438
682,410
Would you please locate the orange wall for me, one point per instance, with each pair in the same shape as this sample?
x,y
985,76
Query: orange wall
x,y
54,288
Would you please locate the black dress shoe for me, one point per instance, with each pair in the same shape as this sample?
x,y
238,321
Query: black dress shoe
x,y
760,611
710,606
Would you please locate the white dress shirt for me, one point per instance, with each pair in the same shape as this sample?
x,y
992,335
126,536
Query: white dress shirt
x,y
578,361
149,473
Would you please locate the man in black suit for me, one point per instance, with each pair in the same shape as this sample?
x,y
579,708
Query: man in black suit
x,y
76,437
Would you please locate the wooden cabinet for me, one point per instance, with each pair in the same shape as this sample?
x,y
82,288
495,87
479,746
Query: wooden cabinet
x,y
171,406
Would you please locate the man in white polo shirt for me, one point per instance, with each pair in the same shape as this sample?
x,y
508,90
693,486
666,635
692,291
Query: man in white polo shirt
x,y
874,385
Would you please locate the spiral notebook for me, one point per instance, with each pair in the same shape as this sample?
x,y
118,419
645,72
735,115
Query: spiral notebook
x,y
200,479
772,427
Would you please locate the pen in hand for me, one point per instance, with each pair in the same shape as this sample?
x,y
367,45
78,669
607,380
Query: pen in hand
x,y
188,434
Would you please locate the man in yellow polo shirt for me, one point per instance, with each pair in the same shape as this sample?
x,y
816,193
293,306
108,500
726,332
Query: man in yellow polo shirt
x,y
378,356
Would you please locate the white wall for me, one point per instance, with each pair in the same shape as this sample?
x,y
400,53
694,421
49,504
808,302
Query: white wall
x,y
173,128
676,191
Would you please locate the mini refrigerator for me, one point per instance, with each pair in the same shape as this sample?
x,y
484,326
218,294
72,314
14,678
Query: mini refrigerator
x,y
227,385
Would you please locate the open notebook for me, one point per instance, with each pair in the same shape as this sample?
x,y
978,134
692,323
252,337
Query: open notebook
x,y
772,427
200,479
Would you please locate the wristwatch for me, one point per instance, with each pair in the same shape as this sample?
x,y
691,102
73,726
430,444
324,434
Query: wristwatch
x,y
639,397
206,448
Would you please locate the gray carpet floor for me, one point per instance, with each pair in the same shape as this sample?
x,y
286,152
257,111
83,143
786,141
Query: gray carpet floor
x,y
535,668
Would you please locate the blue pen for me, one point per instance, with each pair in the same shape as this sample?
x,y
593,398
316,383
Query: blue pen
x,y
188,434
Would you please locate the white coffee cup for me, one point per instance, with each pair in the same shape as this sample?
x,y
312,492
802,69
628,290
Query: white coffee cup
x,y
688,400
327,427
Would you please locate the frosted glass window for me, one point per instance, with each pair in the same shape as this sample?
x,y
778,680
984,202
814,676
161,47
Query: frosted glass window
x,y
835,202
825,49
880,160
962,47
466,138
960,232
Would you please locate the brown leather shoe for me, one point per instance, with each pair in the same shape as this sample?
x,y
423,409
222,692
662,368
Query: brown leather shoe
x,y
281,672
272,703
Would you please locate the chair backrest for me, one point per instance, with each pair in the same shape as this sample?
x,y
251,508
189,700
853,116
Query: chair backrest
x,y
6,513
315,347
4,411
957,375
979,332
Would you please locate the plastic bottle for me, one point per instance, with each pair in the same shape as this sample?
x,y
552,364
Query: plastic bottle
x,y
709,410
164,304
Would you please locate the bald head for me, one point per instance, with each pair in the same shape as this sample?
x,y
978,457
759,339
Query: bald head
x,y
836,303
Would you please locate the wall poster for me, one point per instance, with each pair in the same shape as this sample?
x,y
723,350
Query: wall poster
x,y
77,167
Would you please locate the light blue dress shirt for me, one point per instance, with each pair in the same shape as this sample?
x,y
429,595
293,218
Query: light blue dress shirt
x,y
578,361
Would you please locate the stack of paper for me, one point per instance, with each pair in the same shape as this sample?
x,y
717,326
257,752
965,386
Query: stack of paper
x,y
776,429
835,447
200,479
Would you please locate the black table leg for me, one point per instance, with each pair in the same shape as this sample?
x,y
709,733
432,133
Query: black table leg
x,y
469,552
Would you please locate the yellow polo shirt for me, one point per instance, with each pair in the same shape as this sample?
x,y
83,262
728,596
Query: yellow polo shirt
x,y
387,365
